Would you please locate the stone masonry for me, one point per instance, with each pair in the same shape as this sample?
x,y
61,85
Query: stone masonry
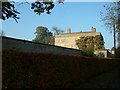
x,y
69,39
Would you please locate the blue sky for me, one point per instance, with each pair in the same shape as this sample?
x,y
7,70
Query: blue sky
x,y
79,16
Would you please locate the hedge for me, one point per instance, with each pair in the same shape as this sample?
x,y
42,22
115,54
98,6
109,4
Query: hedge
x,y
40,70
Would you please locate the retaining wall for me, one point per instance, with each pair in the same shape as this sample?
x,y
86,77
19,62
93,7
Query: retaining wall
x,y
28,46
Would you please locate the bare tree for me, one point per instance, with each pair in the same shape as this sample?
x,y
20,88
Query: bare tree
x,y
111,20
57,30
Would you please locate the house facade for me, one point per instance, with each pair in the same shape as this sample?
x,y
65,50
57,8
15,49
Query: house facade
x,y
69,39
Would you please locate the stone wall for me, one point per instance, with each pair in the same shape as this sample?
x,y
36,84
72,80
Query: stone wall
x,y
69,42
28,46
69,39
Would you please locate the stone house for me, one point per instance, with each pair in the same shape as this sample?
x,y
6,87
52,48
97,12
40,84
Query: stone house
x,y
69,39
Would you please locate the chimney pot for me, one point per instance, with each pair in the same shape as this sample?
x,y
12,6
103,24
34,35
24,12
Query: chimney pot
x,y
68,30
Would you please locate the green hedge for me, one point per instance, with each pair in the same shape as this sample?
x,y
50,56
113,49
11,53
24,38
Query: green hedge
x,y
29,70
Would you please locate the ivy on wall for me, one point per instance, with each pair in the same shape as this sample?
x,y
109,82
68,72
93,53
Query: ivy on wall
x,y
91,42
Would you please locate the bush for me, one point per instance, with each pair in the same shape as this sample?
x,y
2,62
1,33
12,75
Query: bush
x,y
41,70
88,52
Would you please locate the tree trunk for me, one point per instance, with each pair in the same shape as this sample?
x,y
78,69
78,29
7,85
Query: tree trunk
x,y
119,38
114,39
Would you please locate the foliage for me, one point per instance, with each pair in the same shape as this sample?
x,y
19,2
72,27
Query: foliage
x,y
99,42
39,6
43,35
95,43
88,52
57,31
9,11
89,44
81,43
40,70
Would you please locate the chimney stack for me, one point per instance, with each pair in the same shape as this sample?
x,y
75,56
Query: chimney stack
x,y
68,30
93,29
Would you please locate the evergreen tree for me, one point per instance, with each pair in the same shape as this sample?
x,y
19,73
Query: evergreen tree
x,y
43,35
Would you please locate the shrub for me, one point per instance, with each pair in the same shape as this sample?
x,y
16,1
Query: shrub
x,y
88,52
41,70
